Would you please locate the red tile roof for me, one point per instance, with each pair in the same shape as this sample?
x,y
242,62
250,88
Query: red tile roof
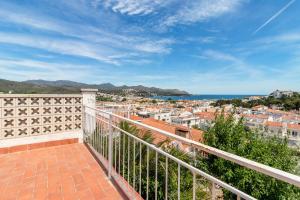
x,y
195,135
294,126
136,118
260,116
274,124
206,115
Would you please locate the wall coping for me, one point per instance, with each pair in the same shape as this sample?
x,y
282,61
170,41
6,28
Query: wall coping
x,y
41,138
89,90
38,95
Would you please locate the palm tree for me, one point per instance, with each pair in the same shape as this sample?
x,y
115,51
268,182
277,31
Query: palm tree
x,y
133,152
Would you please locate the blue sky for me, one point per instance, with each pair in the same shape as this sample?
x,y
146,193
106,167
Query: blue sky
x,y
201,46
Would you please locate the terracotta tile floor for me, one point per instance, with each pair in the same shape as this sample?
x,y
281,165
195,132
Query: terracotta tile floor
x,y
67,172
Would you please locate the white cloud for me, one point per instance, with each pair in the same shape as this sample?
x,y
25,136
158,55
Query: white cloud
x,y
60,46
201,39
217,55
160,46
200,10
236,66
133,7
27,20
172,12
36,64
88,40
286,38
24,69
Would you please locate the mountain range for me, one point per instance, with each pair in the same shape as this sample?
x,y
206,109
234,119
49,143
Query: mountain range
x,y
66,86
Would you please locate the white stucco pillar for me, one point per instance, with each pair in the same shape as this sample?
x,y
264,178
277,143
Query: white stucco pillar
x,y
89,104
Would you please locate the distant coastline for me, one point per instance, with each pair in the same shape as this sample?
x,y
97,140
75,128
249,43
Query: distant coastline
x,y
205,97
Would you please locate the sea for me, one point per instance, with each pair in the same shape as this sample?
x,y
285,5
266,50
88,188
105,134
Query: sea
x,y
204,97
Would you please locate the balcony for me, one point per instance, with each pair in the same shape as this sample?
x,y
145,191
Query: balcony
x,y
63,147
66,171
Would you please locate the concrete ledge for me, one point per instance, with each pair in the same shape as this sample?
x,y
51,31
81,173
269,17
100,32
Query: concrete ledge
x,y
41,138
89,90
25,147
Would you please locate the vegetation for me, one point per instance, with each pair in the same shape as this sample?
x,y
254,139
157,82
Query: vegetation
x,y
201,128
179,106
285,102
186,175
154,101
101,98
171,100
231,136
65,86
28,88
226,134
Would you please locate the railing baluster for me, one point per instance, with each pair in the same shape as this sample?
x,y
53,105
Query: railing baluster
x,y
93,139
104,142
128,159
119,138
238,197
194,186
96,138
96,134
134,164
156,162
178,182
100,138
133,161
123,160
107,143
110,147
115,151
140,171
167,177
213,191
147,192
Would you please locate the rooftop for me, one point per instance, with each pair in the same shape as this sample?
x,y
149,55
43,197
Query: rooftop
x,y
67,172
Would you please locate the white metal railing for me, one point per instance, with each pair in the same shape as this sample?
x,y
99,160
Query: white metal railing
x,y
112,144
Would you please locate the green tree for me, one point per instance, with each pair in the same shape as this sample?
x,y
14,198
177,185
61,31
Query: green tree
x,y
231,136
154,101
102,98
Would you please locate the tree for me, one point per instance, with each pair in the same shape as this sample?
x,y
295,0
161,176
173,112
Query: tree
x,y
231,136
154,101
102,98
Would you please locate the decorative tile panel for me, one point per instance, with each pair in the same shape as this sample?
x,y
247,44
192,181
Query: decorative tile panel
x,y
28,115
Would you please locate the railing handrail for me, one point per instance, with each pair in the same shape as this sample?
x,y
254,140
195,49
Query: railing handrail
x,y
264,169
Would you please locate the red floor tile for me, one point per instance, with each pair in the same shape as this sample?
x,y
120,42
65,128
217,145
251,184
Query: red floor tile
x,y
59,172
